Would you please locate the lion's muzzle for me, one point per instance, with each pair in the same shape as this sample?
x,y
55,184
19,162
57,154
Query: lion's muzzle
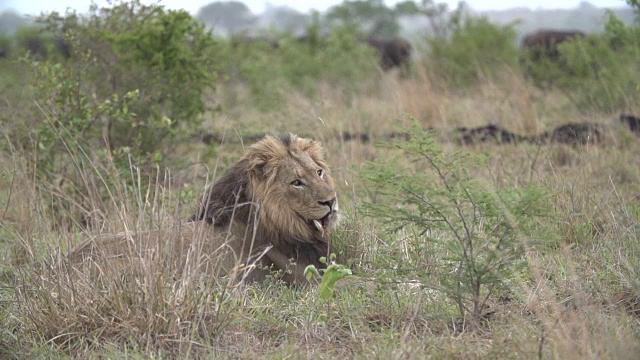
x,y
330,220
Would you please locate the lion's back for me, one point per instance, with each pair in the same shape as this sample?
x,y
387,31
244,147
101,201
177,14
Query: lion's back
x,y
184,246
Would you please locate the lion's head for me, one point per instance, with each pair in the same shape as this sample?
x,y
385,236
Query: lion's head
x,y
283,188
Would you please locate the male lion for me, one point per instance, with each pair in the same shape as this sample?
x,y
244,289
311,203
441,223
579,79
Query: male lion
x,y
273,210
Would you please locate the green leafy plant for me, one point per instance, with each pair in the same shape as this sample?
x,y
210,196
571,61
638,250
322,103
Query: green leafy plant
x,y
474,234
598,72
604,68
134,84
329,277
166,55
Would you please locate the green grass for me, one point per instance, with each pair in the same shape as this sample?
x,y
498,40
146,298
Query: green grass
x,y
564,305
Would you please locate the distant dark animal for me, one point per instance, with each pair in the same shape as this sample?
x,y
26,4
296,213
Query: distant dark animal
x,y
393,52
399,135
63,46
361,137
544,43
632,122
211,138
541,47
571,134
43,46
35,45
482,134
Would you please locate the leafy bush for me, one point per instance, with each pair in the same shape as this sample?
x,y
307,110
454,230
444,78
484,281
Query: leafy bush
x,y
133,85
166,55
599,71
477,49
461,236
340,58
267,67
604,68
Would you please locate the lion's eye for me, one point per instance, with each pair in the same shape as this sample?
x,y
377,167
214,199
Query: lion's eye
x,y
297,182
320,172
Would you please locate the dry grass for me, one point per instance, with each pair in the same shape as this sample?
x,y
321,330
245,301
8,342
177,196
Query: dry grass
x,y
566,306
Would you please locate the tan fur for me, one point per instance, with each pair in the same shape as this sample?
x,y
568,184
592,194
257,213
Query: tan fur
x,y
275,206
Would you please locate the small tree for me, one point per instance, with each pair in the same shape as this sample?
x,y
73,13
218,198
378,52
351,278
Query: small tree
x,y
436,14
372,16
233,16
476,235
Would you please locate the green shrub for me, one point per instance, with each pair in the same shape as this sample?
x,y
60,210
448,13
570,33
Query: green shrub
x,y
132,87
598,72
166,55
257,64
340,59
476,50
459,235
605,68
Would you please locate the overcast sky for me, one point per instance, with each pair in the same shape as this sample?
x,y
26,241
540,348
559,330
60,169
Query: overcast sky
x,y
35,7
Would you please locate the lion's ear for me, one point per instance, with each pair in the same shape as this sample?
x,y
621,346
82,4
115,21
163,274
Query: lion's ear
x,y
263,156
257,167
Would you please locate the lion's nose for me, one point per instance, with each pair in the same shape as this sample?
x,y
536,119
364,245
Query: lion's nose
x,y
330,203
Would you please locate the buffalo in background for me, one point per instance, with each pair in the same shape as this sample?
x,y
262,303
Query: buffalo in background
x,y
544,43
394,52
541,48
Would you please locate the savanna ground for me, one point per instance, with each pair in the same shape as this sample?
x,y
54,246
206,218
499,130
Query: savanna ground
x,y
569,291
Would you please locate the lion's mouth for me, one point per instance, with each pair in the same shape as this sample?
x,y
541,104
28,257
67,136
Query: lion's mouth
x,y
323,223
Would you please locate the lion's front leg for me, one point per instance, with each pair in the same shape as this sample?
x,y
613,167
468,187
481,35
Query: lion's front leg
x,y
293,271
